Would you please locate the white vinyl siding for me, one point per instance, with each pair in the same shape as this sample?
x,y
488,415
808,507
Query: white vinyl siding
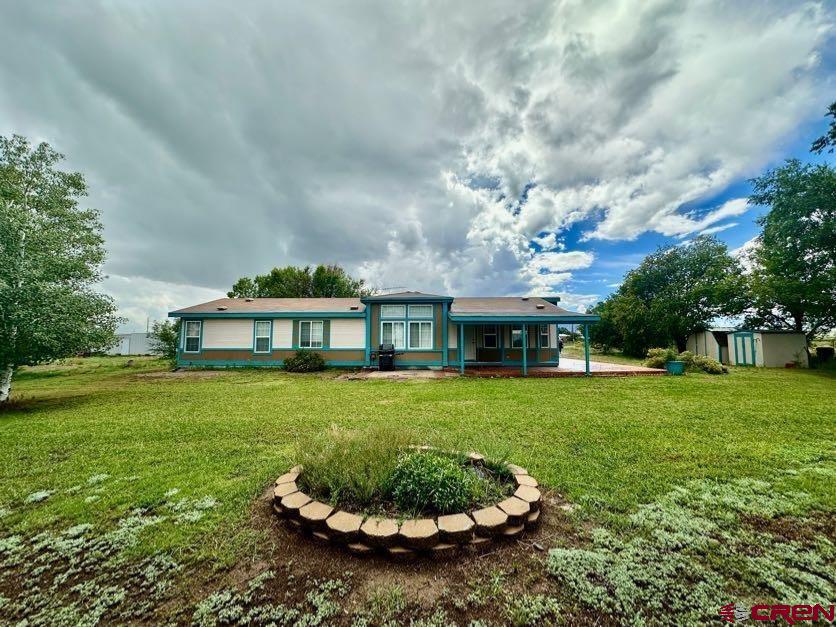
x,y
420,311
347,333
553,335
263,336
421,335
452,335
393,311
282,333
393,333
231,333
310,333
192,332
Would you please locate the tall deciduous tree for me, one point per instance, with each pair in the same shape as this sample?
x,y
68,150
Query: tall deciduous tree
x,y
293,282
51,253
675,291
828,140
793,278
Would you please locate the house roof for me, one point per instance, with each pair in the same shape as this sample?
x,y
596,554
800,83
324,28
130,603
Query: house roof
x,y
510,306
226,306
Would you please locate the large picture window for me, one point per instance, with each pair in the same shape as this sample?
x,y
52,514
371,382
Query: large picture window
x,y
393,333
544,336
310,334
489,336
262,336
192,336
421,335
516,338
420,311
393,311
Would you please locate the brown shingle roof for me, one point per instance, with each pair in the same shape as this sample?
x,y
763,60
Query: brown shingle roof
x,y
277,305
507,305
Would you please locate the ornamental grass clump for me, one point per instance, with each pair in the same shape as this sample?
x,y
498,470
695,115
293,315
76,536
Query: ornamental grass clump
x,y
430,481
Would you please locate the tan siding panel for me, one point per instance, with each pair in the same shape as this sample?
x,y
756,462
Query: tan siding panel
x,y
232,333
348,333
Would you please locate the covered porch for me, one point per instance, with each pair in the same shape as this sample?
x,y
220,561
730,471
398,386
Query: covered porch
x,y
521,343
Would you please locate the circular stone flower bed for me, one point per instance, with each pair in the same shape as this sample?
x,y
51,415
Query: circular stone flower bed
x,y
440,535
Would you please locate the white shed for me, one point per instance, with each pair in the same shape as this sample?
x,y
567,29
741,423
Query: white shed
x,y
766,348
131,344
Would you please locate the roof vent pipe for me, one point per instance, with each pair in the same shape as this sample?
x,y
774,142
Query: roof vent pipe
x,y
354,307
541,306
524,298
221,308
249,300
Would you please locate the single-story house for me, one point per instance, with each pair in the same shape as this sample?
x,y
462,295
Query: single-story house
x,y
427,330
750,347
131,344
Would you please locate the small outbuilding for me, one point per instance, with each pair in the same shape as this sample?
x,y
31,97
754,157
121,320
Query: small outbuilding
x,y
751,347
132,344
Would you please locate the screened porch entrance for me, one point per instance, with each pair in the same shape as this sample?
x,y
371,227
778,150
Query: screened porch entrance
x,y
502,344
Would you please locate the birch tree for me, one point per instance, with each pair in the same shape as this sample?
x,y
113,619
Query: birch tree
x,y
51,253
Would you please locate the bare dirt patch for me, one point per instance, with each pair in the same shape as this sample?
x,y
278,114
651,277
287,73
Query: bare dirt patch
x,y
397,375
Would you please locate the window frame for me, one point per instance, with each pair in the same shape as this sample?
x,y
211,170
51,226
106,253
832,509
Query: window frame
x,y
546,334
494,335
390,316
187,337
429,316
310,334
257,337
520,332
420,322
403,334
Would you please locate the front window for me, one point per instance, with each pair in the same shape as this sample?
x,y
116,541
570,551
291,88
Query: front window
x,y
393,311
392,333
420,311
544,336
489,336
262,336
421,335
192,336
310,334
516,338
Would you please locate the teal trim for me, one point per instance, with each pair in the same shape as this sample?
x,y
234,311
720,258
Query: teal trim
x,y
262,315
270,349
509,319
525,350
586,347
248,363
406,320
368,360
743,360
444,325
460,348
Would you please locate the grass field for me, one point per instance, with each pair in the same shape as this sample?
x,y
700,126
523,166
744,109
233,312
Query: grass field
x,y
132,494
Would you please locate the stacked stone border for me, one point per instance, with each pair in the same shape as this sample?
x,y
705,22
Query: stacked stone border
x,y
439,536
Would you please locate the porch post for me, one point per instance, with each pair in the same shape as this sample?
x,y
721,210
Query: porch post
x,y
586,347
444,334
525,349
368,359
461,348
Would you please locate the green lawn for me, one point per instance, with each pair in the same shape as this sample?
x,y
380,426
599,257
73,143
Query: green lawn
x,y
99,438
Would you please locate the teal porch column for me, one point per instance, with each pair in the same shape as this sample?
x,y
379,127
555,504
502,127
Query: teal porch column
x,y
444,335
525,349
586,347
368,358
461,348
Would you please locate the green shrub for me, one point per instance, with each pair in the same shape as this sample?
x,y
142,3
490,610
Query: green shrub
x,y
304,361
431,481
709,365
658,357
351,467
687,357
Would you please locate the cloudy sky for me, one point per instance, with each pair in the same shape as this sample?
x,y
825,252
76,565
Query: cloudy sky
x,y
457,147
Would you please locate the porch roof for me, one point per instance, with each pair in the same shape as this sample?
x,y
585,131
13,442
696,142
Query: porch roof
x,y
513,309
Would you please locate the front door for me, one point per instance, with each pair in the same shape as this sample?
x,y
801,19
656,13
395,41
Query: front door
x,y
469,343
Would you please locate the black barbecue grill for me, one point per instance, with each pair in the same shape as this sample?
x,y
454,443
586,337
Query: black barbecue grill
x,y
386,357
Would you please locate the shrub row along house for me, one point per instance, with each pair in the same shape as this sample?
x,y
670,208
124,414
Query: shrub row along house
x,y
427,331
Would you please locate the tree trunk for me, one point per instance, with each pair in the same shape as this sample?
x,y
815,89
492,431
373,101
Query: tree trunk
x,y
6,383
